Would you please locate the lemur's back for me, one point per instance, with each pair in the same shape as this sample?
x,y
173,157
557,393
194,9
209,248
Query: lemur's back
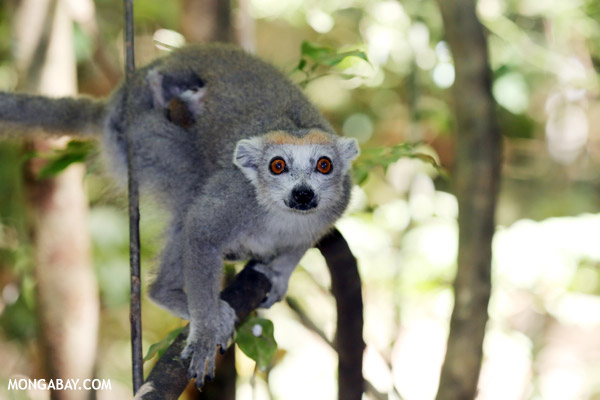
x,y
243,97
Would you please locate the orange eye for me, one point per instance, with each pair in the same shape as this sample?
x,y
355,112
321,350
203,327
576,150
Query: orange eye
x,y
324,165
277,165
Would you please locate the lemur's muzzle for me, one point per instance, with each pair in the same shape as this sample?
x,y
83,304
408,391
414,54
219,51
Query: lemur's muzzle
x,y
303,198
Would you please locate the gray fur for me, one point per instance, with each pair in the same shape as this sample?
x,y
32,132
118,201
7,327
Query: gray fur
x,y
213,175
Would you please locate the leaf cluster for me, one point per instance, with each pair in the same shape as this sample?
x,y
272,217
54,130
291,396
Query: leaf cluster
x,y
371,158
317,61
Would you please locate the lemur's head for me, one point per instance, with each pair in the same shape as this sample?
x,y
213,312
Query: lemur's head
x,y
297,173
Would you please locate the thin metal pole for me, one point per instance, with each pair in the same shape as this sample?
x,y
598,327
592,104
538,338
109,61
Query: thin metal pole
x,y
135,316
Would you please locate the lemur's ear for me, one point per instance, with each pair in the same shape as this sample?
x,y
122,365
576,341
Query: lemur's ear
x,y
247,156
181,99
155,81
348,150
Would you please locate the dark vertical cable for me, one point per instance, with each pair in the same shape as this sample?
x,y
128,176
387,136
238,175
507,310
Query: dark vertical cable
x,y
135,316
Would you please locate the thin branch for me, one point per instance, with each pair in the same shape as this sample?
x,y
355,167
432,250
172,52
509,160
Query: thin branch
x,y
306,321
135,315
129,40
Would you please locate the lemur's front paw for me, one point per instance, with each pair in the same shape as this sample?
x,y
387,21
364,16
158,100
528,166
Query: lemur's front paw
x,y
275,295
279,285
203,341
202,363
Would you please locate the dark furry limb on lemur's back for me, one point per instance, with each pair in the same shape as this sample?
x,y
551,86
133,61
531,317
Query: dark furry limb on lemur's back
x,y
24,113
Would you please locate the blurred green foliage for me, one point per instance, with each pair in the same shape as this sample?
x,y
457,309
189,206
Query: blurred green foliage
x,y
385,156
158,349
59,160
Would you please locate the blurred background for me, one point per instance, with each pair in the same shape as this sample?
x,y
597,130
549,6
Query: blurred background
x,y
543,334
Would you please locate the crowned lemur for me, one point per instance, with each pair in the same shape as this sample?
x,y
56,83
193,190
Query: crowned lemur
x,y
246,165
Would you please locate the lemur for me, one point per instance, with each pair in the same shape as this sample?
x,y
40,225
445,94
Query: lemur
x,y
245,164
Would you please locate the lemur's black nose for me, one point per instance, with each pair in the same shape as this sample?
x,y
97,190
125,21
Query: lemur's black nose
x,y
303,195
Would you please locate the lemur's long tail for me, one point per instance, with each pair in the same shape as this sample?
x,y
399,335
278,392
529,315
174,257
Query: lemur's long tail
x,y
23,113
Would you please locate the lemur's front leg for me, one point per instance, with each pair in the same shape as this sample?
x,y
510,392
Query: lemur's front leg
x,y
212,320
279,271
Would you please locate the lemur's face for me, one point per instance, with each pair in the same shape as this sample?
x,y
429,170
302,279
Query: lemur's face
x,y
296,174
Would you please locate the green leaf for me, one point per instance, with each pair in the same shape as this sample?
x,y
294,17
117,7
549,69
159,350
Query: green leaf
x,y
357,53
316,52
255,339
335,59
59,164
326,55
301,64
76,151
160,347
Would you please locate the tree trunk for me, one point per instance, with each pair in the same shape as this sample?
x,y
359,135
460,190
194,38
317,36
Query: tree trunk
x,y
67,294
476,179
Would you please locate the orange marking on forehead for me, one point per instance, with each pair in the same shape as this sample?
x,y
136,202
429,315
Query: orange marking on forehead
x,y
312,137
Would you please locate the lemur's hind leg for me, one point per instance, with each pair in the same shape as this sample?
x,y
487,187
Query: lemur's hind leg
x,y
167,288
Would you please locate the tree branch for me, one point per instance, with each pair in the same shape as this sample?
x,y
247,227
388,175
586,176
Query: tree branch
x,y
169,376
346,288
